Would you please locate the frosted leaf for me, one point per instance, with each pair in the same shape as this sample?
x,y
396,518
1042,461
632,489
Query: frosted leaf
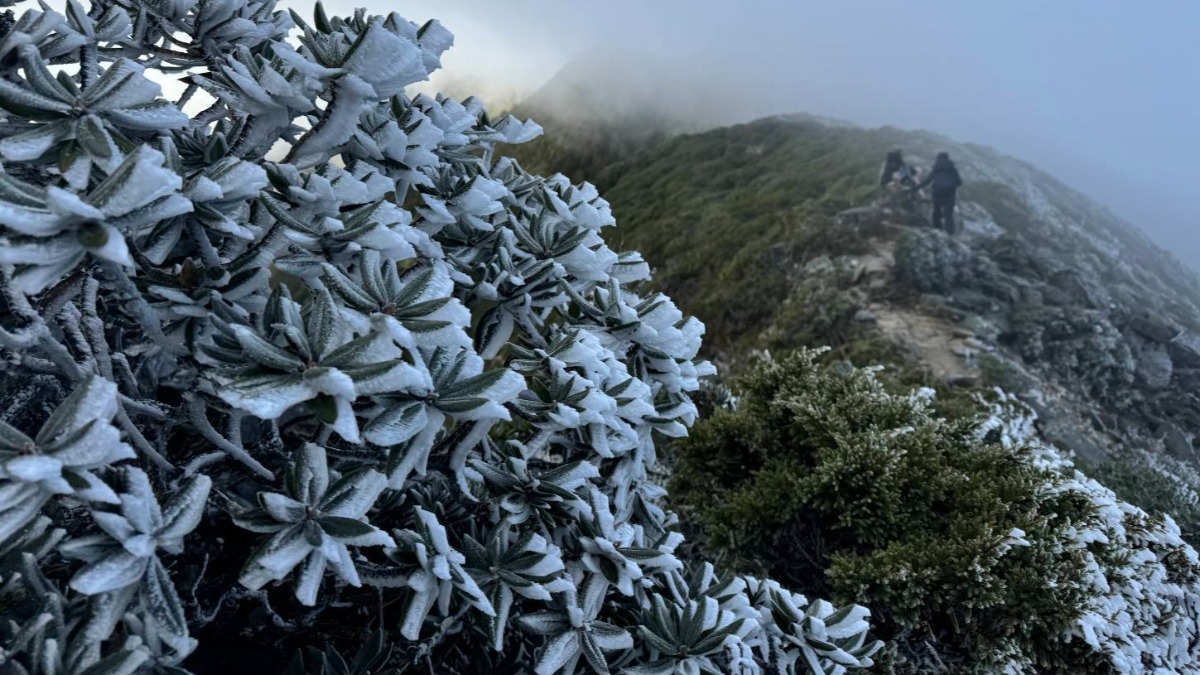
x,y
20,503
344,423
416,452
40,263
282,553
203,189
114,525
32,217
238,179
76,437
113,571
150,116
94,489
268,396
310,580
184,511
33,469
518,132
434,40
114,248
396,425
385,61
336,126
139,180
70,204
353,496
122,85
32,144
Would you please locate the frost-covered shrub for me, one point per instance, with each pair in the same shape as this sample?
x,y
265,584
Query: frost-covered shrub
x,y
976,549
1156,482
293,358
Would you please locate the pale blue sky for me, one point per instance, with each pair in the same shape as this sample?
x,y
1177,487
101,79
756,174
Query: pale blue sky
x,y
1104,94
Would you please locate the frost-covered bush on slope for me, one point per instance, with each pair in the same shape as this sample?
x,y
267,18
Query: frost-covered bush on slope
x,y
1156,482
976,548
295,356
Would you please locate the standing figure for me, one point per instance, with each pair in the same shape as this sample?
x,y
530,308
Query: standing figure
x,y
895,169
945,181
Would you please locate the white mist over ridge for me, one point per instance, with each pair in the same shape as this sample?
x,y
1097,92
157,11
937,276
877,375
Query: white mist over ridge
x,y
1094,93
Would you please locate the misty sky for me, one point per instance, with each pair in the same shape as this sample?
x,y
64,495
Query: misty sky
x,y
1101,93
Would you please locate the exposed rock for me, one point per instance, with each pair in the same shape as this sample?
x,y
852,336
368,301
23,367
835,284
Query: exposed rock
x,y
820,265
1154,365
963,333
963,381
1056,297
858,215
1188,378
978,345
1177,443
1065,435
1153,327
1032,296
1071,283
1185,350
1104,422
982,328
865,316
973,301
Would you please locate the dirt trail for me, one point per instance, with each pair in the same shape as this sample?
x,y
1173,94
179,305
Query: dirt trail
x,y
934,342
938,344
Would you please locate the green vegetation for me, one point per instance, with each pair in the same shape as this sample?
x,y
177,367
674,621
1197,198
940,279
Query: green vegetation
x,y
969,552
730,216
995,371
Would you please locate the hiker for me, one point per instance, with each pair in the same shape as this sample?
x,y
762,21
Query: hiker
x,y
944,179
895,169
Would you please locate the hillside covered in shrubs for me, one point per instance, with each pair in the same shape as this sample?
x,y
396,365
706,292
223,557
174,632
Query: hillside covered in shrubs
x,y
775,235
302,373
977,548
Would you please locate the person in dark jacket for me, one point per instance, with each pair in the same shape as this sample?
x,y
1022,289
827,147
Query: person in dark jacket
x,y
895,168
945,181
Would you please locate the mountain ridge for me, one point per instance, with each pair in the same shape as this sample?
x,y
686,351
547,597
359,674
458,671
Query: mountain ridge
x,y
762,229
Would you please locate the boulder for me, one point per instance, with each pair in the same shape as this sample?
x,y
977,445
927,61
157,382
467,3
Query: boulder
x,y
819,265
1064,435
1072,285
1061,430
972,301
978,345
1153,326
1032,296
1177,443
1154,365
1185,350
1188,378
865,316
963,381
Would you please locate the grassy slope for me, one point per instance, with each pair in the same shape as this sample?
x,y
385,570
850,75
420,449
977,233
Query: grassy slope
x,y
724,216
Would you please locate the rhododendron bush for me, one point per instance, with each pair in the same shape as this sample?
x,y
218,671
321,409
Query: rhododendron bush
x,y
295,358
